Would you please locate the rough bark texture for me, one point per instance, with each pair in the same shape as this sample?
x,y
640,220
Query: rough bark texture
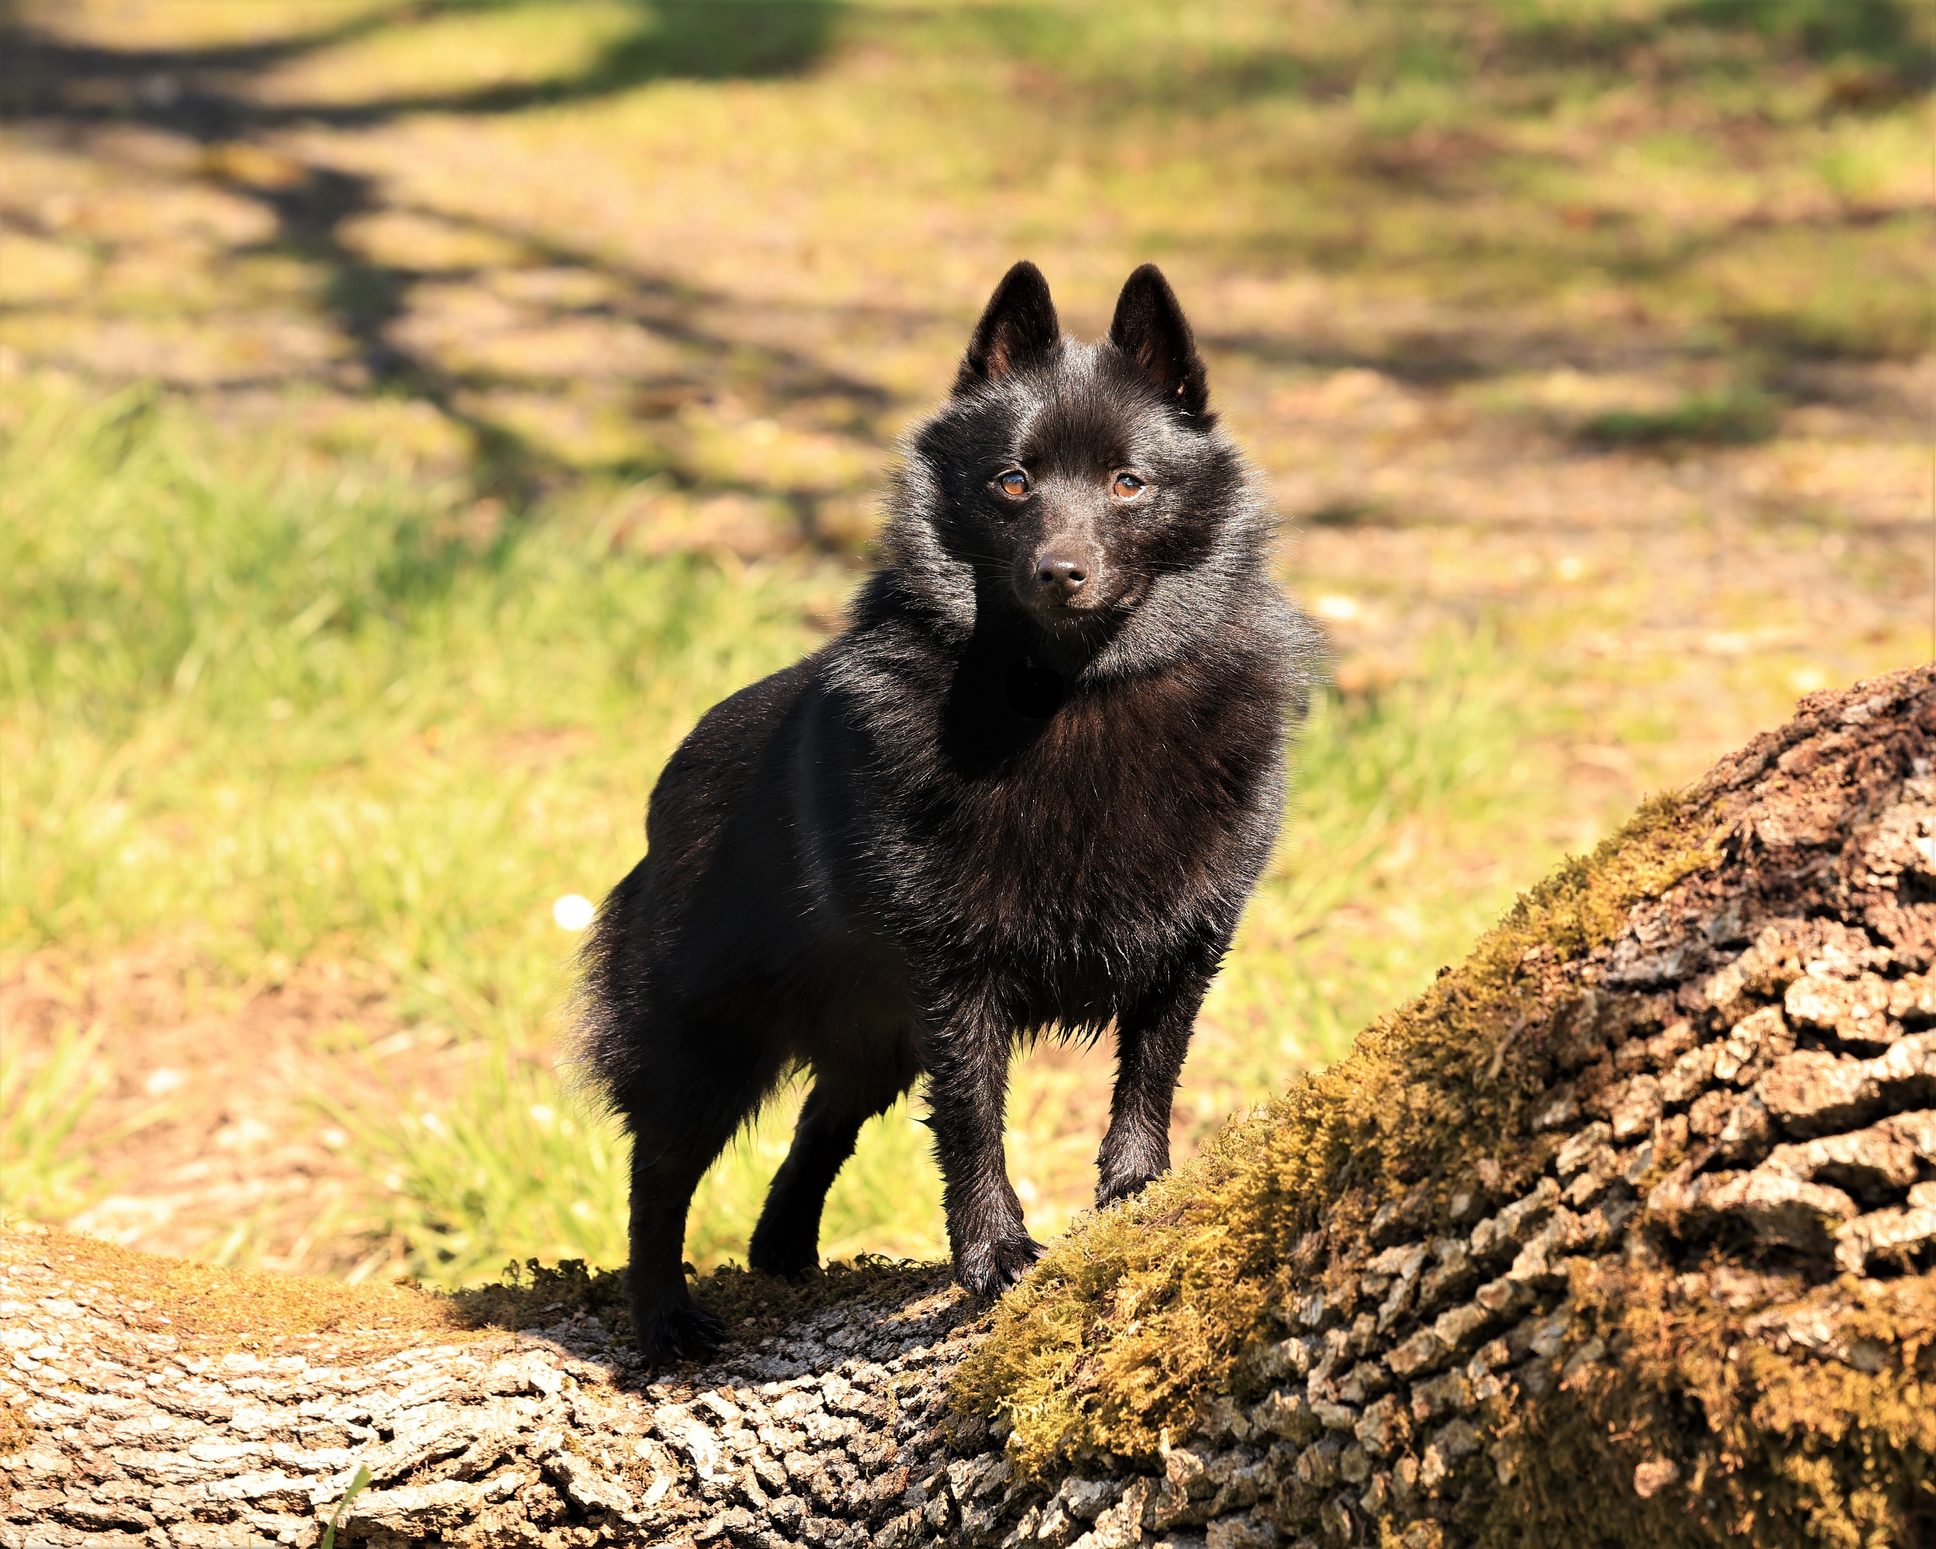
x,y
1691,1298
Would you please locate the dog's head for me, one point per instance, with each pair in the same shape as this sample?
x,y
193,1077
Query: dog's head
x,y
1079,491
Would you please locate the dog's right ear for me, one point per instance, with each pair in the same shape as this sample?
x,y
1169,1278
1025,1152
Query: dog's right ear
x,y
1018,327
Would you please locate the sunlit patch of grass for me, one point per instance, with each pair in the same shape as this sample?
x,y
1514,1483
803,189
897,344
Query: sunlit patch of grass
x,y
519,1161
1856,290
303,711
1393,789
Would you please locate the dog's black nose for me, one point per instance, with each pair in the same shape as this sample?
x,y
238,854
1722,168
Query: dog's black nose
x,y
1064,575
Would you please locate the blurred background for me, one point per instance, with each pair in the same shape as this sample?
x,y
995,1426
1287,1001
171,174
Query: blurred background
x,y
415,412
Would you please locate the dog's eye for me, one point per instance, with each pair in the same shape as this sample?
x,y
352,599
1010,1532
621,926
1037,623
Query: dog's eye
x,y
1014,483
1126,487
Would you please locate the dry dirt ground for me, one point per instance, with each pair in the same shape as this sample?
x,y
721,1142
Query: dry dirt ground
x,y
210,1129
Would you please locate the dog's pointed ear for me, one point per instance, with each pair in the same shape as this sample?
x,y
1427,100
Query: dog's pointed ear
x,y
1151,330
1017,327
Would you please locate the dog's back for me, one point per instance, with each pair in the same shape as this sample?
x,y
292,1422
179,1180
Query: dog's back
x,y
721,925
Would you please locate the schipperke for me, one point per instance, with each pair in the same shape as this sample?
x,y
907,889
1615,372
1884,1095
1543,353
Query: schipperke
x,y
1029,787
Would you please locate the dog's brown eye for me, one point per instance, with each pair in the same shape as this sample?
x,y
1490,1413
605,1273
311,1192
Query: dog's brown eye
x,y
1126,487
1014,483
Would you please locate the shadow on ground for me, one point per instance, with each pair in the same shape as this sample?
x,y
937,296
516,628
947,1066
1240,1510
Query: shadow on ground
x,y
774,1327
86,96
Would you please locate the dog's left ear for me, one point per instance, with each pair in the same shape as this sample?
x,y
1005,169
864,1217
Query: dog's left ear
x,y
1151,330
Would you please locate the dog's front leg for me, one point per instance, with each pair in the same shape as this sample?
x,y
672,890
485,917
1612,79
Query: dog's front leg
x,y
1151,1041
966,1056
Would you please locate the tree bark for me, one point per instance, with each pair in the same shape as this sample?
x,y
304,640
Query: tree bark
x,y
1690,1299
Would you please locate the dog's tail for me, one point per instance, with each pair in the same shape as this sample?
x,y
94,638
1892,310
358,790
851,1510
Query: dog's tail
x,y
607,1006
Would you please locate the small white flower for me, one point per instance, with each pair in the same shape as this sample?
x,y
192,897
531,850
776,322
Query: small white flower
x,y
543,1113
573,912
1337,607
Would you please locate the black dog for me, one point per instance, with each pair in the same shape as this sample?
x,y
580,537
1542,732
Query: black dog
x,y
1030,786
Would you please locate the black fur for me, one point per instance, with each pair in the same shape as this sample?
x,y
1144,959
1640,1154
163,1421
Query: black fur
x,y
1029,787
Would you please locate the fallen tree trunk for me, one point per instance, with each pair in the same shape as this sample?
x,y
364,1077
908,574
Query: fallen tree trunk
x,y
1624,1233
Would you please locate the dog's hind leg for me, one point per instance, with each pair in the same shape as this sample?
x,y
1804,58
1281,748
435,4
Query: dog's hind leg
x,y
667,1325
787,1239
676,1134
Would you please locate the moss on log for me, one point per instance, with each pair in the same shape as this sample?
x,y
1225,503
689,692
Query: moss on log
x,y
1624,1232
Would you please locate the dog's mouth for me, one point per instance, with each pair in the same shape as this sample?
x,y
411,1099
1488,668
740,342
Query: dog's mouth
x,y
1085,617
1070,616
1070,612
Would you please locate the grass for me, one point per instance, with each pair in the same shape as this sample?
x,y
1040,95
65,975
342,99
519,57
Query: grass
x,y
359,1482
1715,419
328,672
410,428
42,1105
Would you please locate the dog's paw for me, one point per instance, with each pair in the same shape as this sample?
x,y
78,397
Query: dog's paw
x,y
679,1332
989,1268
774,1254
1122,1186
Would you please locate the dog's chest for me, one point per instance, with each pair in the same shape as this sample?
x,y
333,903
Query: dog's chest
x,y
1118,819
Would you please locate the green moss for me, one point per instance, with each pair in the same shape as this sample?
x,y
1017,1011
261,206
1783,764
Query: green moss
x,y
1131,1320
1753,1440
